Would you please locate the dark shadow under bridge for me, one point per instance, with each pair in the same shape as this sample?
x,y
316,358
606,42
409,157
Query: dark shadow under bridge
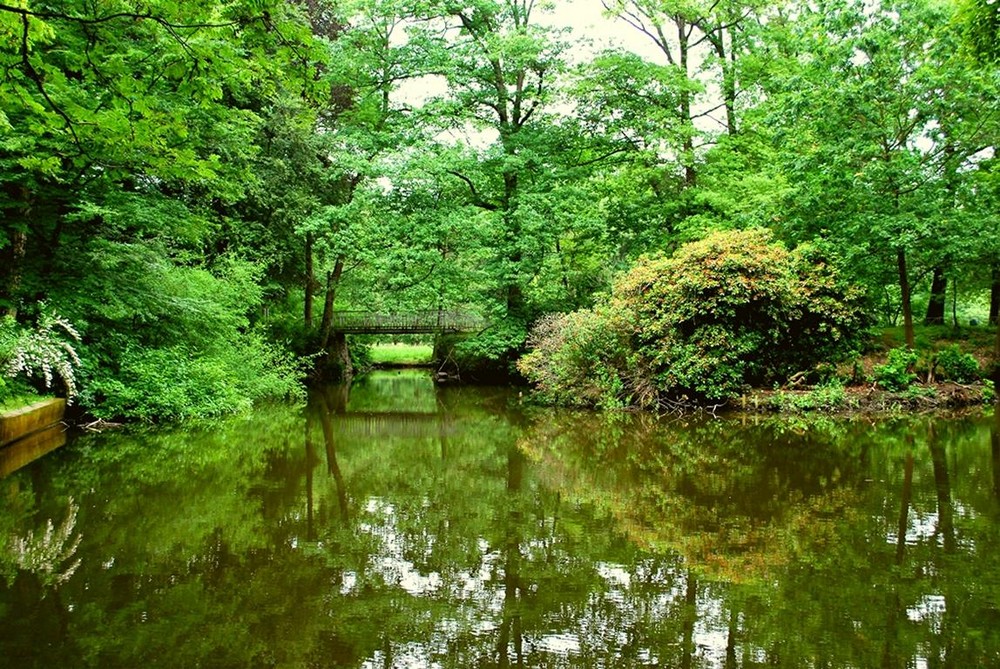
x,y
435,321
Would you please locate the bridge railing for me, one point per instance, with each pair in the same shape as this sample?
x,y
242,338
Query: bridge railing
x,y
418,322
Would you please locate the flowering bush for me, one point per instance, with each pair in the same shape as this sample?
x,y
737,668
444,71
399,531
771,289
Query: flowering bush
x,y
739,308
580,359
43,351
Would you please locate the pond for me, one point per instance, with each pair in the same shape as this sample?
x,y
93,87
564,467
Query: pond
x,y
397,524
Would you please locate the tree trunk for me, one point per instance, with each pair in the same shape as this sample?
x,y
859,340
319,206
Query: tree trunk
x,y
513,294
904,509
13,255
935,306
995,452
904,289
310,282
310,462
690,618
15,268
510,625
995,295
338,354
731,633
728,64
332,281
687,149
996,363
942,484
994,307
954,303
332,466
892,620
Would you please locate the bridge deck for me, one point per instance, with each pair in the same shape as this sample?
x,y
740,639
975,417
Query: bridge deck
x,y
414,322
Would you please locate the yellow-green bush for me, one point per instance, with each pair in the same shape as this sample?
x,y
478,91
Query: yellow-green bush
x,y
733,309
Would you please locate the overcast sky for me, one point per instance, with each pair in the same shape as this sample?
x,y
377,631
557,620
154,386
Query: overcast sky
x,y
589,25
587,20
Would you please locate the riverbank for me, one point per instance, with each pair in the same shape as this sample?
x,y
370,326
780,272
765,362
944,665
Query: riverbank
x,y
924,383
866,399
947,369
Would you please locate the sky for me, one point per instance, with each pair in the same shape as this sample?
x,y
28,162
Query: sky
x,y
586,18
589,25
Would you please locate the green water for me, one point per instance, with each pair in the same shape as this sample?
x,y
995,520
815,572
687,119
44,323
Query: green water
x,y
407,526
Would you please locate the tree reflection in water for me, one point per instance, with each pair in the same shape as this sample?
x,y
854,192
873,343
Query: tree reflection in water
x,y
456,528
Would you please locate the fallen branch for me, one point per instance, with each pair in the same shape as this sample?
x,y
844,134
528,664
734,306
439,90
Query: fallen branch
x,y
100,425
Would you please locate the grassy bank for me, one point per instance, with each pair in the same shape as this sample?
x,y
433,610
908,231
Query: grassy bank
x,y
948,368
401,355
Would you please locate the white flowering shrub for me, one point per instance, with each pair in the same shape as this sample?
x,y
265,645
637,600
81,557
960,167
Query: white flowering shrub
x,y
44,351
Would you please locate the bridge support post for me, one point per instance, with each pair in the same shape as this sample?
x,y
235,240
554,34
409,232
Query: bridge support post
x,y
339,355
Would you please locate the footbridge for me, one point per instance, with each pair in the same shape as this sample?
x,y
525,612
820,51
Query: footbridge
x,y
435,321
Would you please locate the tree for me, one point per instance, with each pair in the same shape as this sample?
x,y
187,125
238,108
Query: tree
x,y
136,135
693,38
500,67
877,159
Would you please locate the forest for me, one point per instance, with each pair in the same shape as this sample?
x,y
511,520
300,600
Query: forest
x,y
191,189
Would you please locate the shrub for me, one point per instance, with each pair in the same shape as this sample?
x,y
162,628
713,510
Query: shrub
x,y
732,309
896,373
830,396
957,366
581,359
738,308
170,340
178,382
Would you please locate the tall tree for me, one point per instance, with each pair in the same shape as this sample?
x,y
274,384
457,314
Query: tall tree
x,y
877,140
130,99
694,38
500,66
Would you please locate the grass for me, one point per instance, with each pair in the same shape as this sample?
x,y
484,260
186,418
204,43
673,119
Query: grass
x,y
401,354
969,338
831,397
20,400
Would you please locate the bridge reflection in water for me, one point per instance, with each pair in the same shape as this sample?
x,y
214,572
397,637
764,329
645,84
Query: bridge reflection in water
x,y
399,423
404,404
431,321
385,406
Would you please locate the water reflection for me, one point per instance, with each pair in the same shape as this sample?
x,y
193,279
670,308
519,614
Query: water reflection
x,y
404,525
28,449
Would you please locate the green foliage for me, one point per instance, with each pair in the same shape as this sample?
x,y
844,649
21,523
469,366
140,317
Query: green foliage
x,y
15,395
831,396
180,382
191,349
896,373
738,308
989,392
980,24
956,365
142,148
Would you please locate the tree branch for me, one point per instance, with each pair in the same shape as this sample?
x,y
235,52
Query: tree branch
x,y
134,16
477,199
33,74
